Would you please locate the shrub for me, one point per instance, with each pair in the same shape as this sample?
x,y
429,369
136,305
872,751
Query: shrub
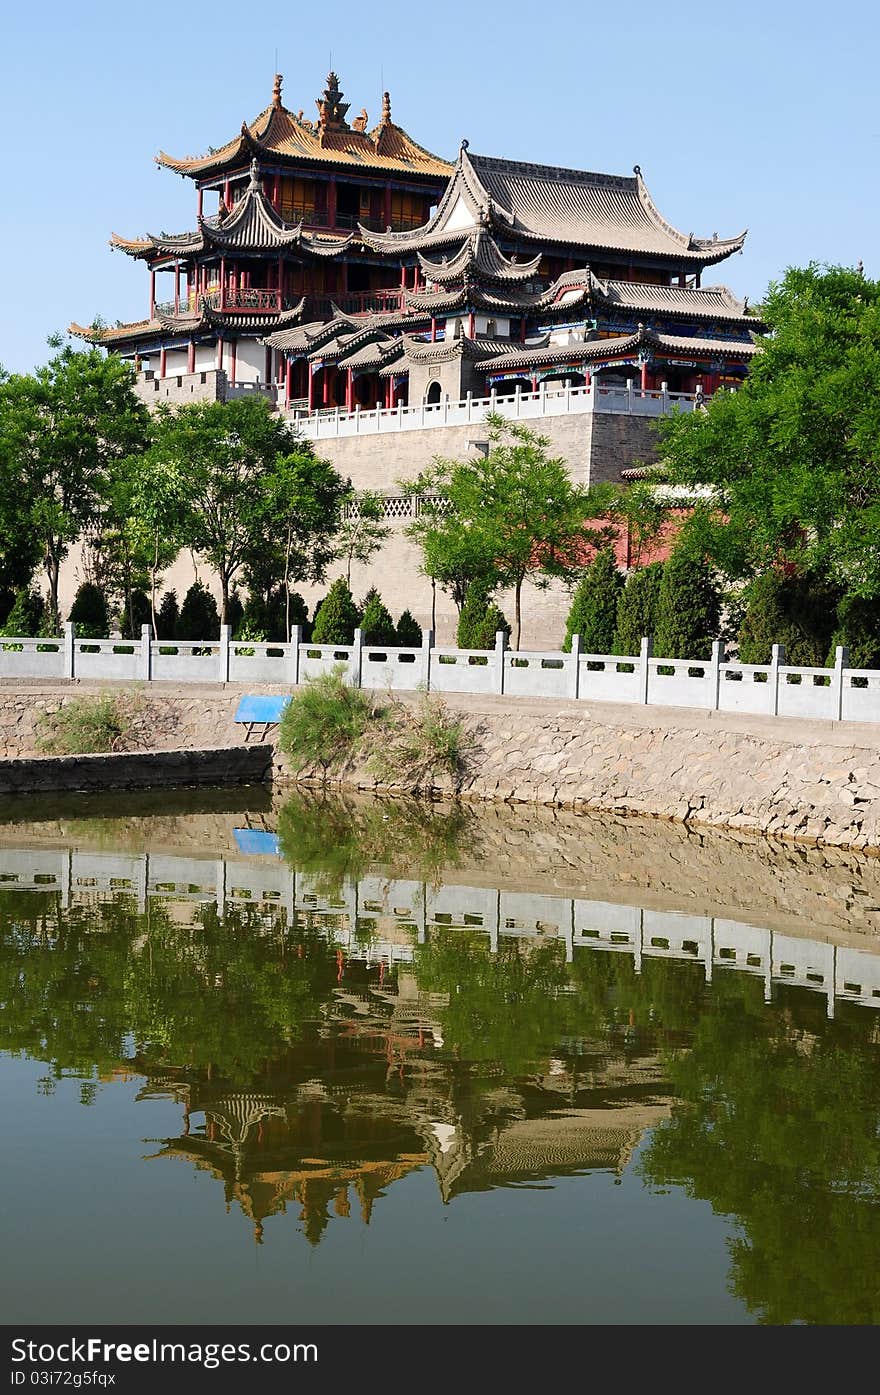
x,y
134,614
421,741
198,615
376,623
858,627
324,723
168,616
337,617
89,725
409,634
689,606
89,612
799,612
26,616
480,619
593,613
299,614
638,608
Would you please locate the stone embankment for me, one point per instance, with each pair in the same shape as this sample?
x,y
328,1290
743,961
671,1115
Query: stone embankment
x,y
817,782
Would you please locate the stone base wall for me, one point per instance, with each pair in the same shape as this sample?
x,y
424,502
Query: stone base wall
x,y
135,770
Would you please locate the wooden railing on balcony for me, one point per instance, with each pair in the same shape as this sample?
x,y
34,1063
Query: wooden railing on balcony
x,y
250,300
360,302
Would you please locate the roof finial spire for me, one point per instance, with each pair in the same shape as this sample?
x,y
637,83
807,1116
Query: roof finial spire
x,y
276,90
386,108
255,176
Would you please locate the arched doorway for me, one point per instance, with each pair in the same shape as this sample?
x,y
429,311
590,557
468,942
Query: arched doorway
x,y
434,393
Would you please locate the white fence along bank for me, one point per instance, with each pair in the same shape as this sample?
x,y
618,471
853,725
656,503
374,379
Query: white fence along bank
x,y
774,689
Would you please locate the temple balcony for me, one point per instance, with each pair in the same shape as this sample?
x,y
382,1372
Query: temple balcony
x,y
360,302
250,299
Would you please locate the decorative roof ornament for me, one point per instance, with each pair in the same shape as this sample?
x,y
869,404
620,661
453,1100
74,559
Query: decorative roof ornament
x,y
254,185
360,122
276,90
331,108
386,109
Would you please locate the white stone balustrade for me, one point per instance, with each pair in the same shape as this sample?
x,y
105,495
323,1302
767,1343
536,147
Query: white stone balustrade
x,y
833,694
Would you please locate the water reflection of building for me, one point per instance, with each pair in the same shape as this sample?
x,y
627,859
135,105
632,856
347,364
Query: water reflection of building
x,y
363,1103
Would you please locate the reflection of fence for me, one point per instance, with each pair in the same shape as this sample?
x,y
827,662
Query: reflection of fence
x,y
775,689
381,919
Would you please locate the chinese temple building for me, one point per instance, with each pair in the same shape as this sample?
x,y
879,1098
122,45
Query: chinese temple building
x,y
334,266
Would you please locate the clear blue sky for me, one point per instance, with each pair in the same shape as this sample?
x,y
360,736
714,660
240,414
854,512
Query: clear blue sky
x,y
753,114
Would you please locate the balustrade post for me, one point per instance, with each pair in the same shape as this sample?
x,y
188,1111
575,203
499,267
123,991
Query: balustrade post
x,y
715,673
145,665
574,685
357,658
293,655
629,395
777,657
841,661
469,400
542,397
645,649
517,399
69,649
378,416
568,394
664,398
223,656
357,418
500,648
427,646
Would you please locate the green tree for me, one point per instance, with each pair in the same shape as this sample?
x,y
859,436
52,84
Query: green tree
x,y
593,612
509,516
361,530
198,615
26,616
689,608
168,616
376,622
409,632
480,619
62,431
89,612
228,453
160,513
858,627
337,616
638,608
643,511
305,495
797,611
791,459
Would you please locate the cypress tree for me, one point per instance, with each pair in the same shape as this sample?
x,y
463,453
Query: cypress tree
x,y
689,608
168,616
26,616
409,634
858,627
799,612
376,622
199,618
593,613
638,608
480,619
337,616
89,612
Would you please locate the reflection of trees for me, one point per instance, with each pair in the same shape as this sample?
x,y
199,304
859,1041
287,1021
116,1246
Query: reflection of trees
x,y
778,1127
224,994
337,838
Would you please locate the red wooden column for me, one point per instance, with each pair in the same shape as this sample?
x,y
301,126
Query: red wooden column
x,y
433,329
233,351
349,390
163,361
152,292
403,278
326,385
191,356
331,202
276,193
311,388
222,282
201,196
268,366
288,383
522,330
219,353
471,325
226,195
177,288
644,376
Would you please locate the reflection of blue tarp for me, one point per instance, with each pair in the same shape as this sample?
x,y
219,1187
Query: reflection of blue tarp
x,y
257,840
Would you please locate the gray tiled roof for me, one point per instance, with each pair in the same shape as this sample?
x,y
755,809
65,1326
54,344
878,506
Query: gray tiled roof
x,y
715,302
551,205
592,350
481,259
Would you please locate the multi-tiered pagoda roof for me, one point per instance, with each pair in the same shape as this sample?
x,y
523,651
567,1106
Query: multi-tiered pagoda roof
x,y
356,261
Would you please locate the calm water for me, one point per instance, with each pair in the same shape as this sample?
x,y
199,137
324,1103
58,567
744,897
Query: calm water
x,y
375,1063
